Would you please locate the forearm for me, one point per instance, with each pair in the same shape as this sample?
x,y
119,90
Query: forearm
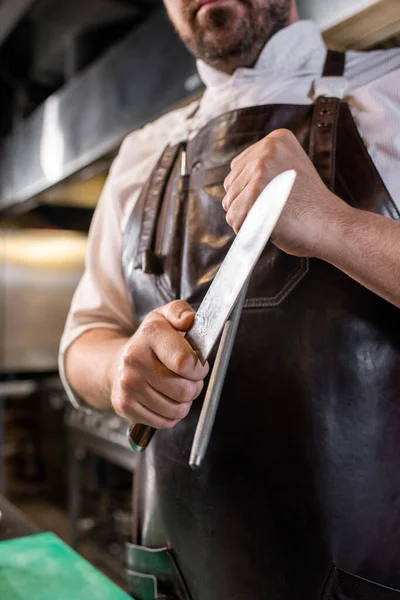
x,y
90,365
366,247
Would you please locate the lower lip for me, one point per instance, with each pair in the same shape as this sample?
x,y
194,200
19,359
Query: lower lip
x,y
213,3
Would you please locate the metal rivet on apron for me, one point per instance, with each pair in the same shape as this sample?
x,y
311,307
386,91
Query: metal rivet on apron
x,y
131,267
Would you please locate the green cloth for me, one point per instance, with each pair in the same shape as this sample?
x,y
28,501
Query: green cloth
x,y
42,567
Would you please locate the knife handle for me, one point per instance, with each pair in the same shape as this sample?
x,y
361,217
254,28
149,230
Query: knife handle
x,y
140,436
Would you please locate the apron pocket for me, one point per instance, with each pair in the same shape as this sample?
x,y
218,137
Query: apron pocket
x,y
345,586
154,574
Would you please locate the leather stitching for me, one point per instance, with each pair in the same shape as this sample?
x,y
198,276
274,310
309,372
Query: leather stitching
x,y
265,302
274,301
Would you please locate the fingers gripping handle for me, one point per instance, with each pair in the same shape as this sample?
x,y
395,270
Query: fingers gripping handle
x,y
140,436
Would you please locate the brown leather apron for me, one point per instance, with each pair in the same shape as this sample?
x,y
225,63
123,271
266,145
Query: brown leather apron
x,y
299,495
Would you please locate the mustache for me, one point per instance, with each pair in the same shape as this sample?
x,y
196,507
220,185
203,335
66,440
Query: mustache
x,y
192,7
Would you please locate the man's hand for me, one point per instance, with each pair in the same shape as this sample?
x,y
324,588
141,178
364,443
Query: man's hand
x,y
157,374
311,206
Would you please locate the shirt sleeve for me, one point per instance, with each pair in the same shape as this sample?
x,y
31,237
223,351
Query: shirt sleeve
x,y
101,299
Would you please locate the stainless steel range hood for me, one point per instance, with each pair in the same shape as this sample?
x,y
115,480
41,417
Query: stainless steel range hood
x,y
142,77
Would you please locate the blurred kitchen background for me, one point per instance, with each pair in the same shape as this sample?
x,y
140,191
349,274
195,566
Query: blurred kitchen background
x,y
75,78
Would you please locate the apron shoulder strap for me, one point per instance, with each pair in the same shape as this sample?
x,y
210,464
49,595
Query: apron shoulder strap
x,y
334,64
326,115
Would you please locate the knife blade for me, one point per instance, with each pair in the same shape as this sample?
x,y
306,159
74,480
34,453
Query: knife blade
x,y
232,275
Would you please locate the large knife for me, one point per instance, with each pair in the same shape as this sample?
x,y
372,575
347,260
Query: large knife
x,y
232,275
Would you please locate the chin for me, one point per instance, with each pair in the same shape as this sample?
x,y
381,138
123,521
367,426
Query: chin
x,y
220,16
222,41
221,32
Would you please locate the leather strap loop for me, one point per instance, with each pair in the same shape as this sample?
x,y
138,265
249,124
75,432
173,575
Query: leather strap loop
x,y
154,194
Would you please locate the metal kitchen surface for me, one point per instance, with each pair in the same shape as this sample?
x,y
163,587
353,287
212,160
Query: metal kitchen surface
x,y
38,275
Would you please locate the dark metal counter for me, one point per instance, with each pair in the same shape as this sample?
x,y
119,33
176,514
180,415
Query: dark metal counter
x,y
13,523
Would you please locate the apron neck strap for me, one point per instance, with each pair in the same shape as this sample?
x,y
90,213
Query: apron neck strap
x,y
334,64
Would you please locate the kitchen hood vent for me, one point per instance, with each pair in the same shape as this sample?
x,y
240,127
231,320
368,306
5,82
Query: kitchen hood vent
x,y
140,78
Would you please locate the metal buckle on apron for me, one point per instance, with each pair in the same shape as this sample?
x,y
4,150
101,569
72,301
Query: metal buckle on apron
x,y
330,87
154,575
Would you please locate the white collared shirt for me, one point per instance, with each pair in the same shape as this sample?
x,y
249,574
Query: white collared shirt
x,y
284,74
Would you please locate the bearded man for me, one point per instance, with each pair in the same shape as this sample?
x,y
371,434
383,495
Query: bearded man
x,y
299,494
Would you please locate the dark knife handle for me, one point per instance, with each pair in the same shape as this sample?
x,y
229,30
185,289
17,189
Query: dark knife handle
x,y
140,436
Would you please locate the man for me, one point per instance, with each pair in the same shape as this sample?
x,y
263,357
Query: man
x,y
299,495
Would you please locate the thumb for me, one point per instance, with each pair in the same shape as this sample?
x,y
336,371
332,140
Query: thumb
x,y
178,313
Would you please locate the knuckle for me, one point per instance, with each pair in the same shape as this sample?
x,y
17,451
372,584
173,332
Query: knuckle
x,y
183,410
233,210
149,327
283,133
259,165
267,146
235,222
176,305
254,189
188,391
182,361
124,405
258,176
166,424
236,225
228,201
200,386
176,308
206,370
129,380
229,219
128,358
124,381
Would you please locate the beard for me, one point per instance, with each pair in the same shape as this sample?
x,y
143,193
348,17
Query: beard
x,y
222,35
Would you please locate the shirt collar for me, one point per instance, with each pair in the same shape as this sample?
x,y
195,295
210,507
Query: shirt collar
x,y
284,53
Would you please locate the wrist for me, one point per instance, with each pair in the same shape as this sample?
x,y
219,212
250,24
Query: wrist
x,y
116,353
339,220
109,347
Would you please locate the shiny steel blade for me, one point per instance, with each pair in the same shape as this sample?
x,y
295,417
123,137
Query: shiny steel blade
x,y
238,264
